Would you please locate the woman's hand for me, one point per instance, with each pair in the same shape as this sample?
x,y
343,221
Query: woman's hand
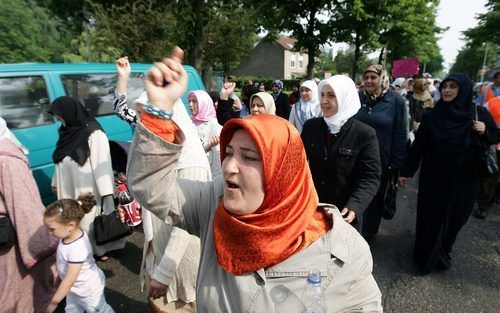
x,y
348,215
479,127
123,67
227,90
157,290
167,81
51,307
403,181
214,140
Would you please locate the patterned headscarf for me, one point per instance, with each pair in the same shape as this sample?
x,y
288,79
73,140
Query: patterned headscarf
x,y
206,110
279,84
383,86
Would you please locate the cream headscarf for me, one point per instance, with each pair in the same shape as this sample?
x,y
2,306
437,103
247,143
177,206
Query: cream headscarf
x,y
347,100
5,133
268,102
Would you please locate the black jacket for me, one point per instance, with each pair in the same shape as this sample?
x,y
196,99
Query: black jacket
x,y
346,172
282,104
389,118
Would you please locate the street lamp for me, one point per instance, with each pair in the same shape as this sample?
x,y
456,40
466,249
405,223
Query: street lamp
x,y
483,69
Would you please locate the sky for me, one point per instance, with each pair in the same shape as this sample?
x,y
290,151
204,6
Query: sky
x,y
458,15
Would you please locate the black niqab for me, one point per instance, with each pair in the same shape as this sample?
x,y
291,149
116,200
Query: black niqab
x,y
73,137
452,121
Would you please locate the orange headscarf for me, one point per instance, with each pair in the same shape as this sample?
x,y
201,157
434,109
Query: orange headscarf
x,y
287,220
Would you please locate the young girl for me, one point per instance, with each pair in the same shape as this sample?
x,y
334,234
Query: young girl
x,y
82,281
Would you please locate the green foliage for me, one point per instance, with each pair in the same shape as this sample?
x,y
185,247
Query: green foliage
x,y
140,30
226,43
29,33
486,34
488,29
406,28
324,63
470,59
344,59
410,31
307,20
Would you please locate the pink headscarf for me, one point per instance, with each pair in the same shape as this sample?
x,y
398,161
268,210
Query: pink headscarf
x,y
206,110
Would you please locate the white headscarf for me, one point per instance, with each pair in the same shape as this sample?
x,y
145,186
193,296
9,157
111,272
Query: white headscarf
x,y
5,133
308,109
347,99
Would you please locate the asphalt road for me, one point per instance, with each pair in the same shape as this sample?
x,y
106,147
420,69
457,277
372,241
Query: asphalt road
x,y
471,285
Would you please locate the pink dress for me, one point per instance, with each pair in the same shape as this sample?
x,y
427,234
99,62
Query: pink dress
x,y
27,271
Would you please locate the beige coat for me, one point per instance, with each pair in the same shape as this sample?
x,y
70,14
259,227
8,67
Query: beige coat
x,y
342,256
96,177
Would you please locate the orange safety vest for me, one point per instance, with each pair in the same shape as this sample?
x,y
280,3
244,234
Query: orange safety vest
x,y
487,92
494,109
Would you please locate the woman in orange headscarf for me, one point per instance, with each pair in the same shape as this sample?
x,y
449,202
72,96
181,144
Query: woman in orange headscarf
x,y
259,222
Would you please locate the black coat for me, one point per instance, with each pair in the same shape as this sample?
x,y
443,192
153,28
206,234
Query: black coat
x,y
282,103
225,111
346,170
447,188
389,118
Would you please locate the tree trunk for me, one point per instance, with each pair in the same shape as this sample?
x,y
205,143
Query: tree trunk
x,y
311,52
194,56
381,55
357,55
311,44
206,76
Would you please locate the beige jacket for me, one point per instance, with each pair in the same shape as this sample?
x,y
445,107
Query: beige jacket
x,y
342,256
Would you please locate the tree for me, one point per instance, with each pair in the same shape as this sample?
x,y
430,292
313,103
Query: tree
x,y
324,63
307,20
139,29
488,29
410,31
358,22
226,43
344,60
29,33
470,59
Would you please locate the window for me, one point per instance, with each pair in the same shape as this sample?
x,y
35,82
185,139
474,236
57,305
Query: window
x,y
301,62
24,101
96,91
292,63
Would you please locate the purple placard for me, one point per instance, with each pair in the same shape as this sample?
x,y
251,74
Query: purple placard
x,y
405,67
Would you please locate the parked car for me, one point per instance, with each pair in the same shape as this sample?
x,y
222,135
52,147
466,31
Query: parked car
x,y
27,89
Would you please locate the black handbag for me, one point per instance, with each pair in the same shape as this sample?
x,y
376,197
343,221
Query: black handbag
x,y
7,233
486,161
108,228
389,207
486,164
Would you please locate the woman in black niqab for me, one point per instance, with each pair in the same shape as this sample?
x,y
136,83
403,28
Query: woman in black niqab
x,y
77,126
445,149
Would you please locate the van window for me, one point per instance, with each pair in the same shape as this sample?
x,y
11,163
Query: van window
x,y
96,91
24,101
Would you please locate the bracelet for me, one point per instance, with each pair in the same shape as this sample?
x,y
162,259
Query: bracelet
x,y
157,112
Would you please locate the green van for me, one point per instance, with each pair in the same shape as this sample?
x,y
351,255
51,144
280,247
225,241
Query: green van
x,y
28,89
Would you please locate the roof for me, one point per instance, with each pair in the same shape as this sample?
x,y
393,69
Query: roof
x,y
287,42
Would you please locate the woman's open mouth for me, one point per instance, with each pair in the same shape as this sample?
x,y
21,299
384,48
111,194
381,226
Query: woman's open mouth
x,y
231,185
